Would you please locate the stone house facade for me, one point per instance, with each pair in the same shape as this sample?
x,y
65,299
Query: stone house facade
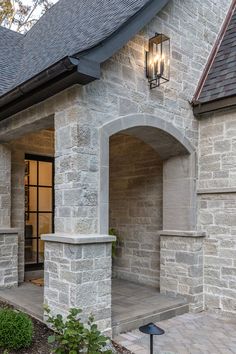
x,y
126,157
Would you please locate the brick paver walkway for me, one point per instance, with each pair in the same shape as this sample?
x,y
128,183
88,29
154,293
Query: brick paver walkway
x,y
187,334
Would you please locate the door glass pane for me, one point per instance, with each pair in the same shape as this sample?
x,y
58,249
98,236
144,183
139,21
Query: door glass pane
x,y
31,251
45,223
31,226
33,172
31,239
45,173
45,199
32,198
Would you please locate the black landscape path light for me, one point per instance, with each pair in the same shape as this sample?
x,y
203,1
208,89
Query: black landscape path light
x,y
152,330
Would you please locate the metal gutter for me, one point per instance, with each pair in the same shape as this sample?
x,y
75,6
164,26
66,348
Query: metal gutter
x,y
65,65
58,77
202,109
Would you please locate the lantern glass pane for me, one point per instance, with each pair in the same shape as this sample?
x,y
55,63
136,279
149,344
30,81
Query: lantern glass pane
x,y
166,59
158,60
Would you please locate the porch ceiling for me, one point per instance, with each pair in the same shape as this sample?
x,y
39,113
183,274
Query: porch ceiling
x,y
163,143
9,132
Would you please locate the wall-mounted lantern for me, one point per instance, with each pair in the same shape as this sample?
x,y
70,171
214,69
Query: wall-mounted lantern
x,y
158,60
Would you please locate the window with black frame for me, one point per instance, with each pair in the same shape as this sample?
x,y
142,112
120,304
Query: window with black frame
x,y
39,207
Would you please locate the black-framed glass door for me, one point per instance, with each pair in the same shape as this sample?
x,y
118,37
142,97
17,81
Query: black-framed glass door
x,y
39,207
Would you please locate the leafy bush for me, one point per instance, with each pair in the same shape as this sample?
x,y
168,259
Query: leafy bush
x,y
115,244
16,329
73,337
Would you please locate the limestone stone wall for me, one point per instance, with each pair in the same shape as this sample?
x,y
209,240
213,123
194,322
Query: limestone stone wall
x,y
192,27
9,258
136,209
182,267
217,208
217,151
123,89
41,143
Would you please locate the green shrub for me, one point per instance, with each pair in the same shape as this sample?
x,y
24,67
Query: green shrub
x,y
72,336
16,329
113,232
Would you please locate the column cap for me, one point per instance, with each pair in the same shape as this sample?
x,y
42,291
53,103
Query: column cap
x,y
77,239
182,233
8,230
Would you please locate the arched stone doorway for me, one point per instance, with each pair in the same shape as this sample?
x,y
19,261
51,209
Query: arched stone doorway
x,y
179,172
180,243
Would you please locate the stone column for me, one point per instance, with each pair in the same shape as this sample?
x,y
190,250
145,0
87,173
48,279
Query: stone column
x,y
8,236
179,193
181,268
76,174
8,258
78,274
77,257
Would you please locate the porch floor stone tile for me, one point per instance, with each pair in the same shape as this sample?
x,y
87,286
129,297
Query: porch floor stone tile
x,y
133,300
134,304
26,297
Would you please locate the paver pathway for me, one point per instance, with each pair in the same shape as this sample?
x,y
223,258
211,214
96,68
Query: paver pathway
x,y
203,333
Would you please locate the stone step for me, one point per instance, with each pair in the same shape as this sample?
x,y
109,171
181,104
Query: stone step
x,y
125,325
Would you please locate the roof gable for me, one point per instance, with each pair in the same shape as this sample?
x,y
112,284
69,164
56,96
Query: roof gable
x,y
218,81
221,80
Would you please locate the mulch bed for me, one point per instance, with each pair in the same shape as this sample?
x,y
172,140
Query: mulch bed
x,y
121,349
40,339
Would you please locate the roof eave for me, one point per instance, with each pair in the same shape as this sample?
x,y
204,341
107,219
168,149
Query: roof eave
x,y
202,109
65,73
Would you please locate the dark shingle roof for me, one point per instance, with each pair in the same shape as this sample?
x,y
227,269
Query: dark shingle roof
x,y
11,46
68,28
221,79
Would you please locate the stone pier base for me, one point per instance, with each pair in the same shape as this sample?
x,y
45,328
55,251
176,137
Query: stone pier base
x,y
182,266
78,274
9,258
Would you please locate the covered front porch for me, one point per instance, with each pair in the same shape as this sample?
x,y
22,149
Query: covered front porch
x,y
132,304
141,186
